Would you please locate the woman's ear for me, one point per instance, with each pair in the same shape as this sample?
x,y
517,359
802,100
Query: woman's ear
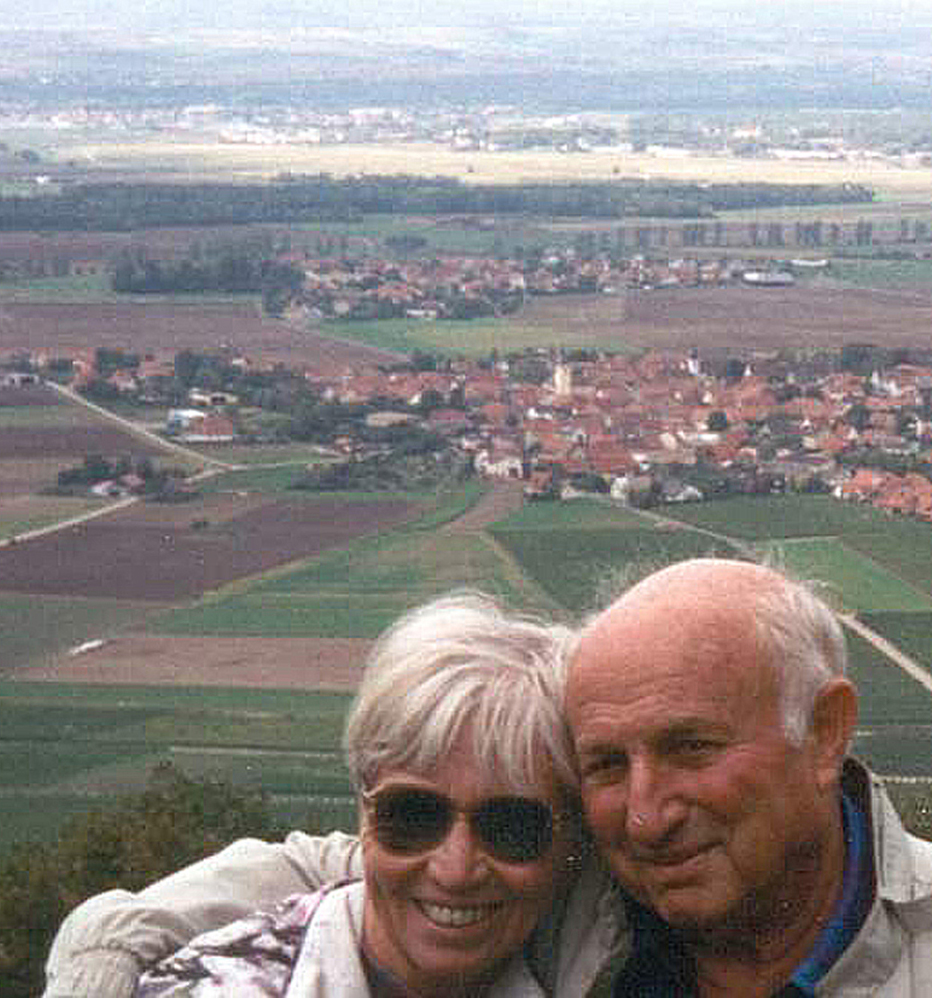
x,y
834,716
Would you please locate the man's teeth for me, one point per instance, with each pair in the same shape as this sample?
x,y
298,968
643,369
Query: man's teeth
x,y
444,915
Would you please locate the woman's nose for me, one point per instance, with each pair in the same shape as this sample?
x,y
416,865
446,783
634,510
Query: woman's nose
x,y
460,858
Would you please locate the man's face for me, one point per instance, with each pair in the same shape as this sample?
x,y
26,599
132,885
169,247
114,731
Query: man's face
x,y
703,809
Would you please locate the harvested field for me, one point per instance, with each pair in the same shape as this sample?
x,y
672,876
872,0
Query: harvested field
x,y
214,509
734,317
299,663
196,160
162,330
21,477
711,318
19,442
28,395
130,557
157,659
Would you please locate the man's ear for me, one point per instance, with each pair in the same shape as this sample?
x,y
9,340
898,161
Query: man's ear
x,y
834,716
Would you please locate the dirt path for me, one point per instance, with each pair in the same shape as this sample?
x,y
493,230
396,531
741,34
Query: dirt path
x,y
131,426
907,664
503,496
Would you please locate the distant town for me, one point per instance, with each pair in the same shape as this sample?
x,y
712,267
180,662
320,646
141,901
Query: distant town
x,y
482,127
663,427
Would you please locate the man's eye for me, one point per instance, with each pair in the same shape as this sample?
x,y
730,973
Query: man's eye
x,y
697,747
603,767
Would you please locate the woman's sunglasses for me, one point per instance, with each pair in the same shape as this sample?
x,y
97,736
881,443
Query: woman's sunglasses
x,y
410,820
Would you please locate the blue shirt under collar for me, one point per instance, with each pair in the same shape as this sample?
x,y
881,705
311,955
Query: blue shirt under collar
x,y
857,893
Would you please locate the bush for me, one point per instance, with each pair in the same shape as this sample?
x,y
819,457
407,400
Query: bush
x,y
174,822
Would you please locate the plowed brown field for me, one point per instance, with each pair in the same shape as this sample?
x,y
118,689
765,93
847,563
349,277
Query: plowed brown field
x,y
302,663
735,318
163,329
188,660
150,552
72,442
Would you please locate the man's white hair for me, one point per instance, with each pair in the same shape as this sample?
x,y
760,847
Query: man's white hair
x,y
462,665
804,643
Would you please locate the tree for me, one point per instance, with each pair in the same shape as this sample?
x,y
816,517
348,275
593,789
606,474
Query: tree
x,y
176,821
186,367
107,360
430,399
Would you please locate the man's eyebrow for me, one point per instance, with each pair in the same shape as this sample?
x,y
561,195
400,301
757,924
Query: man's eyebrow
x,y
685,727
593,744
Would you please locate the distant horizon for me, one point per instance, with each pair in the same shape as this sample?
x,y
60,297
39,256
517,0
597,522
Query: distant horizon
x,y
711,54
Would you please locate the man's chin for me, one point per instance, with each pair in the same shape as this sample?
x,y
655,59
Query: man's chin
x,y
690,912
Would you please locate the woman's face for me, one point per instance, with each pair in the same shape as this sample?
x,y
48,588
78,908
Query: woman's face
x,y
447,917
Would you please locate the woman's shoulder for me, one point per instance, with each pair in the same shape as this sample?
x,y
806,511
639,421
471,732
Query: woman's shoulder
x,y
254,955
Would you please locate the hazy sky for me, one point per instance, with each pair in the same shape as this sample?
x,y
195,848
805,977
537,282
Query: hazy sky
x,y
162,15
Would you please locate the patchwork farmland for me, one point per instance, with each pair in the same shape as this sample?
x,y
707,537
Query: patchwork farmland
x,y
226,633
214,686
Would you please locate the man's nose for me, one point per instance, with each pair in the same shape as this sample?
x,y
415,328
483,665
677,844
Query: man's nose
x,y
460,858
654,808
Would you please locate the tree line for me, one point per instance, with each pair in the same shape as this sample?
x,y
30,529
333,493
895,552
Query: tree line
x,y
231,273
128,206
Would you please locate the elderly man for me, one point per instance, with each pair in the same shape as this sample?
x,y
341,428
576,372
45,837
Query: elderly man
x,y
711,718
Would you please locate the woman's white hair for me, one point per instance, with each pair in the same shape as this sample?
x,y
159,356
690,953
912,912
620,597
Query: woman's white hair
x,y
462,665
803,640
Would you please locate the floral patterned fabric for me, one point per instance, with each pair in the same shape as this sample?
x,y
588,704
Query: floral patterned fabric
x,y
251,958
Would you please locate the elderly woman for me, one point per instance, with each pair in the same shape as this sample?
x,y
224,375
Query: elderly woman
x,y
470,829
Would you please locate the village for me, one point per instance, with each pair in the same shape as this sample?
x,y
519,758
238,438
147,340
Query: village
x,y
467,287
646,430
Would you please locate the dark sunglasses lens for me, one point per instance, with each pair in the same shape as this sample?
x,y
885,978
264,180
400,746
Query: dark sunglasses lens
x,y
411,820
515,829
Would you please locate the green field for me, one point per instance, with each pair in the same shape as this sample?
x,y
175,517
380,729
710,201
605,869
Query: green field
x,y
472,338
358,590
92,288
263,454
581,568
42,417
441,235
874,273
67,745
903,546
86,287
860,582
256,479
764,518
34,628
910,632
68,748
580,514
890,697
